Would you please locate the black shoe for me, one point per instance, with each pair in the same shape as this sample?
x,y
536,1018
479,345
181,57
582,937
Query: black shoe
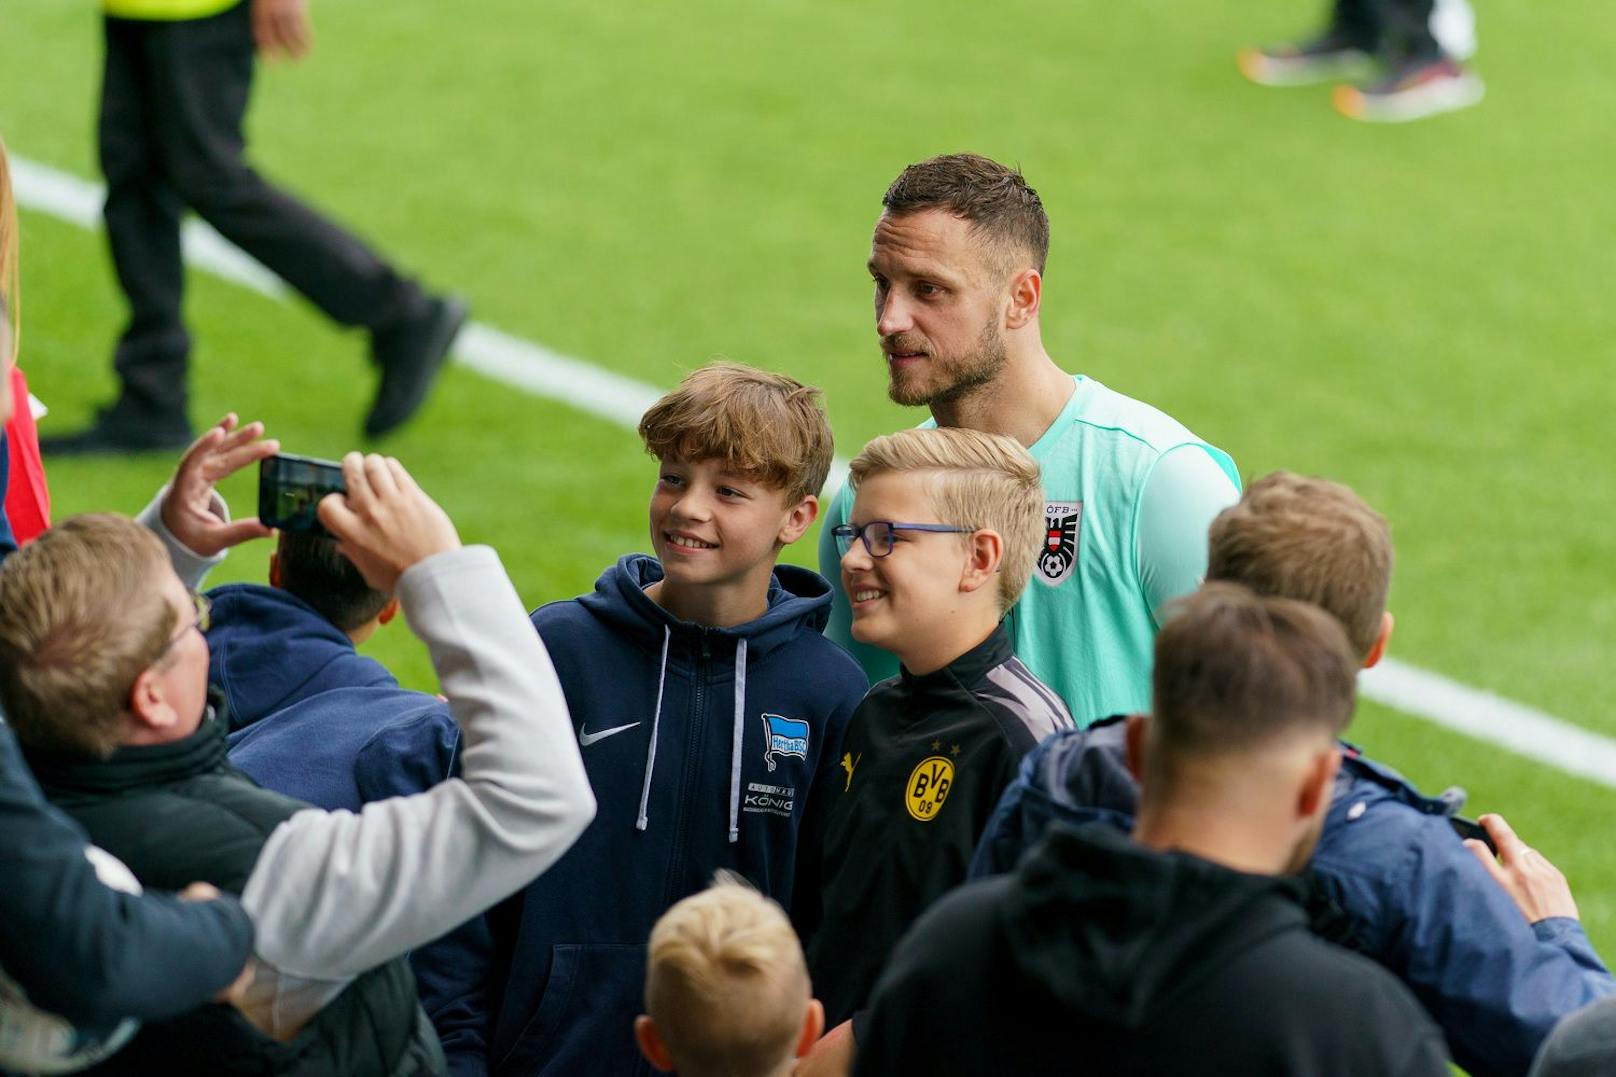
x,y
410,355
119,430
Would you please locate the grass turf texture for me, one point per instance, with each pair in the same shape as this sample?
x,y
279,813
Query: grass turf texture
x,y
1418,311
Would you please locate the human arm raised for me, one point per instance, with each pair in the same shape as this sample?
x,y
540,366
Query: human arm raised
x,y
336,893
188,514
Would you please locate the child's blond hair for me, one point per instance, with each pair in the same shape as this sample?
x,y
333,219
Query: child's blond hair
x,y
976,480
726,982
757,422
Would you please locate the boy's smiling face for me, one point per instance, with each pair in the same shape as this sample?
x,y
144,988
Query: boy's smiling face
x,y
712,527
908,595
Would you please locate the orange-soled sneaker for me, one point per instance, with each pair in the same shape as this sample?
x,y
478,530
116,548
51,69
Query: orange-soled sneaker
x,y
1326,58
1412,92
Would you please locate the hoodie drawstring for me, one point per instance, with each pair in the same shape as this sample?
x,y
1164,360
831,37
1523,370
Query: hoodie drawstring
x,y
656,718
735,749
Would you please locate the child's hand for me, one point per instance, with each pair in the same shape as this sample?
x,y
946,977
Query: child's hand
x,y
1536,886
384,523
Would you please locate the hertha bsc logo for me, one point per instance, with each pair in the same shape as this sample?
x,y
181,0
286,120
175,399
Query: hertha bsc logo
x,y
1062,525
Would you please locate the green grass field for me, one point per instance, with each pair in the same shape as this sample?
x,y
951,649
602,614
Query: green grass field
x,y
1422,311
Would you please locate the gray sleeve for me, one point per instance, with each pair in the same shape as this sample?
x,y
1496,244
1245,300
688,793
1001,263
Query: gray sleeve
x,y
1582,1045
335,893
1184,493
192,568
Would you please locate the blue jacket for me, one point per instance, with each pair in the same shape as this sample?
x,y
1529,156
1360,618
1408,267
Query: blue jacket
x,y
707,749
1414,898
312,718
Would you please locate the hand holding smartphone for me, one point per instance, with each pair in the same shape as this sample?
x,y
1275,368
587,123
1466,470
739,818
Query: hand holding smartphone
x,y
290,488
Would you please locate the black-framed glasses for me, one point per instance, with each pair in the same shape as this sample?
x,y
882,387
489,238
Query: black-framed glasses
x,y
203,622
877,534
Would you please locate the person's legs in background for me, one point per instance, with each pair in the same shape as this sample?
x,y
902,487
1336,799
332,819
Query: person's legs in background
x,y
1420,46
1425,45
142,215
172,113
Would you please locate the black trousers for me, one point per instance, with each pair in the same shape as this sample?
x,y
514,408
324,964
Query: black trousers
x,y
173,96
1398,30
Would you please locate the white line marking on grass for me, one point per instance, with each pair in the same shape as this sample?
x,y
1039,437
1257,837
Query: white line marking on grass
x,y
1523,730
537,370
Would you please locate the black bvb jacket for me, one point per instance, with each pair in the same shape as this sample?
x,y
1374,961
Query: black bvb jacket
x,y
924,761
178,813
1099,956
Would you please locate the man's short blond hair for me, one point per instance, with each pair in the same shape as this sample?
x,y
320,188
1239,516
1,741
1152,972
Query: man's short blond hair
x,y
726,982
976,480
1313,540
80,619
757,422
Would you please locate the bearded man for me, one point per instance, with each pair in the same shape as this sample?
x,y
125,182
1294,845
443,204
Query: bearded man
x,y
958,265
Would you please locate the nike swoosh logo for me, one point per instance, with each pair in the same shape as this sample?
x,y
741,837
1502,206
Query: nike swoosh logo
x,y
586,739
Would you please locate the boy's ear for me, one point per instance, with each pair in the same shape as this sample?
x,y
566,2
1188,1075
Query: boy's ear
x,y
147,704
1138,727
388,612
813,1026
1378,651
274,569
799,520
651,1045
1318,783
986,550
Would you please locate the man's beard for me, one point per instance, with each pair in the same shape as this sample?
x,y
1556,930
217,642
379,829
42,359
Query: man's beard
x,y
948,381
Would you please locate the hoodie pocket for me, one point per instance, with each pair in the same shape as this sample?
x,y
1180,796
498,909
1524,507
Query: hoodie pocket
x,y
585,1019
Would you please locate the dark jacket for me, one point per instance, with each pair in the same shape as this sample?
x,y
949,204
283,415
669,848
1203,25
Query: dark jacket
x,y
1099,956
924,762
310,716
707,748
180,812
1414,898
85,951
1582,1045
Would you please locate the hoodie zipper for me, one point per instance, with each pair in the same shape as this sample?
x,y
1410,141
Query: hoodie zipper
x,y
695,739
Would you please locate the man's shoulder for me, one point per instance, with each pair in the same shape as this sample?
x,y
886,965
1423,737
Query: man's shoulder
x,y
1108,412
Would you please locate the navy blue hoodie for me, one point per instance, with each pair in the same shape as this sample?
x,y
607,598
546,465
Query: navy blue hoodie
x,y
707,748
341,731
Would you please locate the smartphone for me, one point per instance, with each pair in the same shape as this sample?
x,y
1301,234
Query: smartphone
x,y
290,488
1469,828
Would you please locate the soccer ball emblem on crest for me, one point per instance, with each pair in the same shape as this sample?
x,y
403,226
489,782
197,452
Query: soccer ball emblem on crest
x,y
1062,520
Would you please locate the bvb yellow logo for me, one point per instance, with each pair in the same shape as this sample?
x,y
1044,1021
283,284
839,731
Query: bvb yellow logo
x,y
928,787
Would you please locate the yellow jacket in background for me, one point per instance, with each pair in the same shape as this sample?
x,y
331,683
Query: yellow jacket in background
x,y
169,10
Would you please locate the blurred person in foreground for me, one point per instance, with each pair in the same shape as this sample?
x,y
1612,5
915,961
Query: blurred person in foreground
x,y
1181,947
726,987
175,84
24,497
1411,52
103,671
1495,960
957,266
77,948
70,944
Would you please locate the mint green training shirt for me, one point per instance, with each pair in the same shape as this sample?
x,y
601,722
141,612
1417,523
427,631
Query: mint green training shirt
x,y
1129,494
